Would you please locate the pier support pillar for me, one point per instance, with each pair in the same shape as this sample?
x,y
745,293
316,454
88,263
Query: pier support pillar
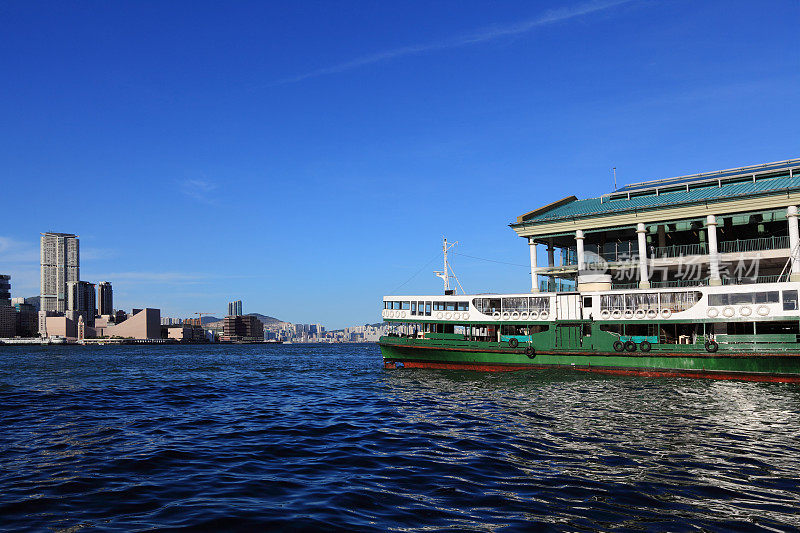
x,y
713,254
534,266
551,254
794,243
579,248
644,277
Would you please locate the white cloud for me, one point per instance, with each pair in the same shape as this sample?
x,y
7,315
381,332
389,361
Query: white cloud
x,y
199,189
480,36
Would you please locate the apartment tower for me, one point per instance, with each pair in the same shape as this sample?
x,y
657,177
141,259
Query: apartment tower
x,y
60,264
105,299
235,308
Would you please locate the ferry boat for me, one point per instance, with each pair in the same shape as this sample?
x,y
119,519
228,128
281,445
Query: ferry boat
x,y
695,276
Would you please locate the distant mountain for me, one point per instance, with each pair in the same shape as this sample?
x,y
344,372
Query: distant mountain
x,y
266,320
208,319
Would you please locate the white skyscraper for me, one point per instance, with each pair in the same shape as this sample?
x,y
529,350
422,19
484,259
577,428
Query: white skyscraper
x,y
60,263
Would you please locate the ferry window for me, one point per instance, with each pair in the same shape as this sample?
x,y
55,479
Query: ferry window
x,y
463,306
539,303
717,299
636,330
781,326
427,309
395,305
413,308
438,306
587,330
740,328
450,306
612,328
770,297
740,298
406,306
789,300
515,304
587,301
386,305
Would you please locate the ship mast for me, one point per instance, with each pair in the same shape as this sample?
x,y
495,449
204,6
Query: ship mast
x,y
445,272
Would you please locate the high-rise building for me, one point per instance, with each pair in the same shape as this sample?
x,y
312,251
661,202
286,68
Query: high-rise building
x,y
235,308
242,328
105,299
5,289
60,263
81,298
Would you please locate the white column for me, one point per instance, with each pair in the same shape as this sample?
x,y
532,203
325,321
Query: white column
x,y
713,267
579,243
794,242
644,278
534,265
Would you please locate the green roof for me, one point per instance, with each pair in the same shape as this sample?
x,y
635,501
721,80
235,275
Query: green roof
x,y
675,195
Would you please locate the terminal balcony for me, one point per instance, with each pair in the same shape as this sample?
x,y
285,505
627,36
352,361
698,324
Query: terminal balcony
x,y
621,255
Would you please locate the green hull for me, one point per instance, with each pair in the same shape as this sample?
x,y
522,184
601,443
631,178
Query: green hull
x,y
776,361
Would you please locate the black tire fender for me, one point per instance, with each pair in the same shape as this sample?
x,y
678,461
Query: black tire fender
x,y
618,346
530,352
712,346
513,342
630,346
645,346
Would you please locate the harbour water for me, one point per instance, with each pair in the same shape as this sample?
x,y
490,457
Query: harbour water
x,y
320,436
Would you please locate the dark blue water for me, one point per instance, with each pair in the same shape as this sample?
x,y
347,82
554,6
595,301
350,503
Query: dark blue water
x,y
321,437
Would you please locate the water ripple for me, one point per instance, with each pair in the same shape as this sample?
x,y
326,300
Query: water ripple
x,y
320,437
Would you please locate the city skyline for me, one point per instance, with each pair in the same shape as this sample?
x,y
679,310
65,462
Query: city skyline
x,y
389,132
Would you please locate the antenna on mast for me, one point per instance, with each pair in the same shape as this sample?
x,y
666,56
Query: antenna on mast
x,y
615,177
445,272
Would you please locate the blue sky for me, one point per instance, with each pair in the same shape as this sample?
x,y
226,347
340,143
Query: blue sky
x,y
308,157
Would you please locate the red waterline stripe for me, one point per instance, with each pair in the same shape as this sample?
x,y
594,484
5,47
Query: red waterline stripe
x,y
614,371
697,375
463,366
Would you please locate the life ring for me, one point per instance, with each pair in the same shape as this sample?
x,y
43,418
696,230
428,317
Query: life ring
x,y
543,315
628,314
530,352
403,314
515,316
762,310
506,315
745,310
712,346
652,313
513,343
523,315
448,316
666,313
496,315
728,311
392,313
439,315
464,316
640,313
534,315
616,313
712,312
605,314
